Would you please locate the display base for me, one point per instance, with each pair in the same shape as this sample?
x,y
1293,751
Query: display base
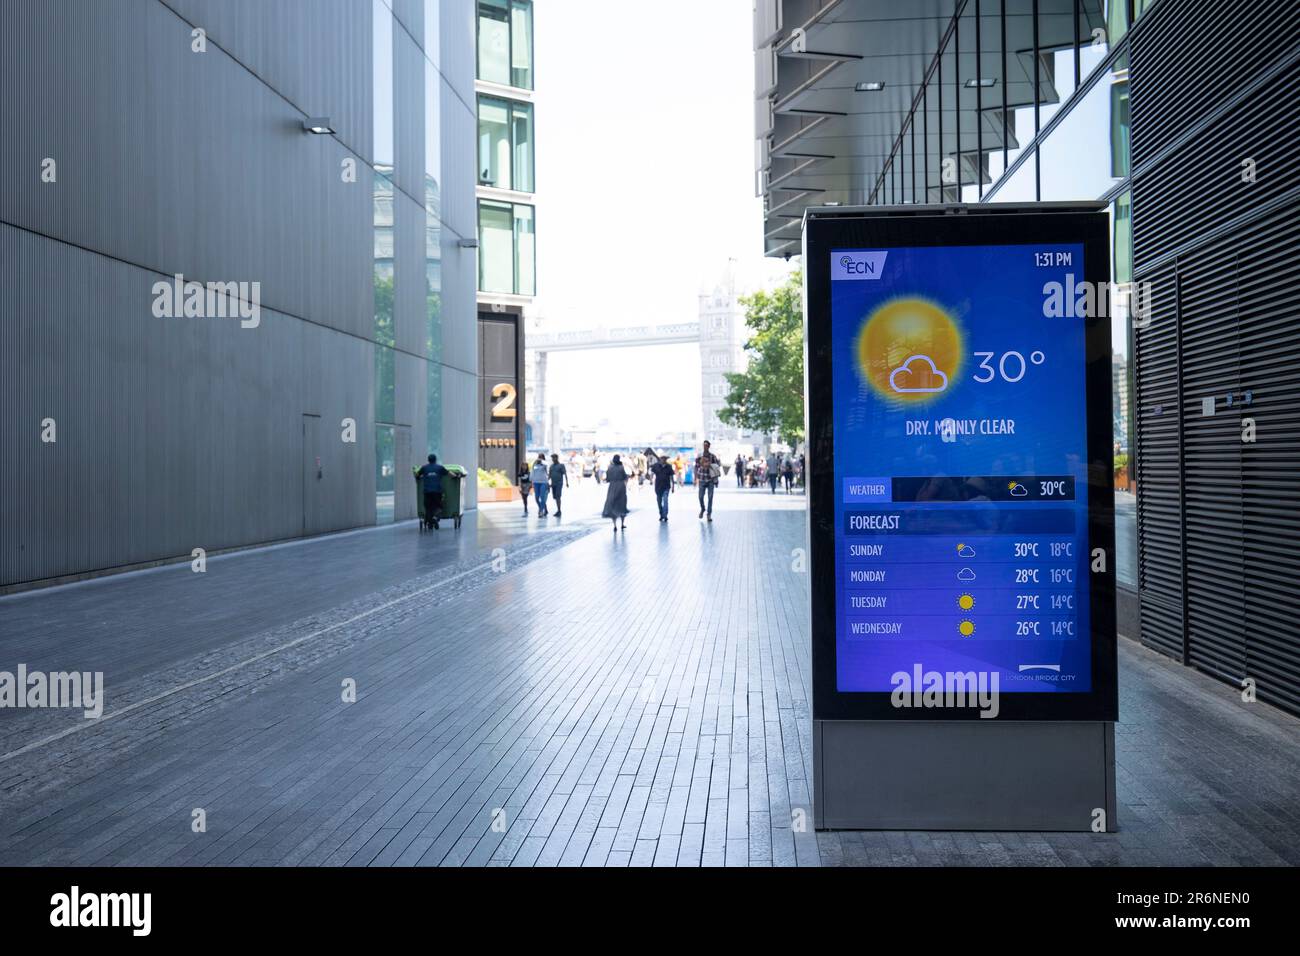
x,y
963,775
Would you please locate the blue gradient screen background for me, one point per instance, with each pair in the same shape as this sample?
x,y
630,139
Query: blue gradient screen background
x,y
1012,573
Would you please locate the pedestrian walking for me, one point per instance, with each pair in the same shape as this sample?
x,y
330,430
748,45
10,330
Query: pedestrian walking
x,y
773,470
787,473
663,473
616,497
430,476
559,478
525,479
740,472
541,484
708,469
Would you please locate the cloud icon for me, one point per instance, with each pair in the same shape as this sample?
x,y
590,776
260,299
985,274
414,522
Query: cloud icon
x,y
903,380
1019,491
966,551
965,574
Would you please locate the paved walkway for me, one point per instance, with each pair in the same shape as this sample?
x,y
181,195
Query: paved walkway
x,y
532,698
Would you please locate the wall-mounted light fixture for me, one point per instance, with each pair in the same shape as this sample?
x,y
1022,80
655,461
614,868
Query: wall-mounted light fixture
x,y
983,81
872,86
467,243
320,125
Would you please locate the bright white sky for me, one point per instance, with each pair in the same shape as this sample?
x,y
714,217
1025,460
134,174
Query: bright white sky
x,y
645,189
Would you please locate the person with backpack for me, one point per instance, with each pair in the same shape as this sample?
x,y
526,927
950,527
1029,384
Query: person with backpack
x,y
664,474
708,469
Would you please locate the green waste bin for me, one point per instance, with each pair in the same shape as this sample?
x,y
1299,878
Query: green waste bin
x,y
419,496
453,484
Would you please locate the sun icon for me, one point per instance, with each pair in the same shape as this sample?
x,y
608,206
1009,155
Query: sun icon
x,y
1011,485
966,602
966,628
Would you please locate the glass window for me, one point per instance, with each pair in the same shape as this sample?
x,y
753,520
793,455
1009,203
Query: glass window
x,y
905,167
521,45
432,141
525,251
495,247
505,42
1056,58
989,94
521,136
1125,463
1076,162
1020,76
494,41
933,142
505,150
433,407
948,162
383,296
507,250
433,287
966,93
385,407
385,470
1102,24
494,151
1119,119
1021,185
1122,211
383,86
432,212
915,156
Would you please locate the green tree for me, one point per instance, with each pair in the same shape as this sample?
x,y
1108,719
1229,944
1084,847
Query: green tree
x,y
768,396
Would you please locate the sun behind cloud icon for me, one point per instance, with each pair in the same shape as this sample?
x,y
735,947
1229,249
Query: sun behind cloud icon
x,y
909,350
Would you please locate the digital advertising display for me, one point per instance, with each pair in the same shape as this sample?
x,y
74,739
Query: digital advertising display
x,y
964,448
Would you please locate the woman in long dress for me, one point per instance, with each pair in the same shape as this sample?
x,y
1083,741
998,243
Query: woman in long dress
x,y
616,497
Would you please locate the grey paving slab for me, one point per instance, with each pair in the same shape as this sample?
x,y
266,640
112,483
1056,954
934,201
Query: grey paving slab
x,y
639,699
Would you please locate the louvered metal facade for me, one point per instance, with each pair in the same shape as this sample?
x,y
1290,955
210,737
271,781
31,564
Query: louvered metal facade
x,y
1216,196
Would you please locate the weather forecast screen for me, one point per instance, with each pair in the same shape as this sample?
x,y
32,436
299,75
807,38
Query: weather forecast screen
x,y
961,508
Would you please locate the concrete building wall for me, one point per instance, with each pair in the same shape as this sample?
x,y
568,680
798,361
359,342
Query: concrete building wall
x,y
180,432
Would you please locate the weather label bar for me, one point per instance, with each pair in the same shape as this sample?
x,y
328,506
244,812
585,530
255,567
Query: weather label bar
x,y
985,488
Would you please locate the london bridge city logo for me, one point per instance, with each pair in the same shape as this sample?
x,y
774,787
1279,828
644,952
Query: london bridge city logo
x,y
858,265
